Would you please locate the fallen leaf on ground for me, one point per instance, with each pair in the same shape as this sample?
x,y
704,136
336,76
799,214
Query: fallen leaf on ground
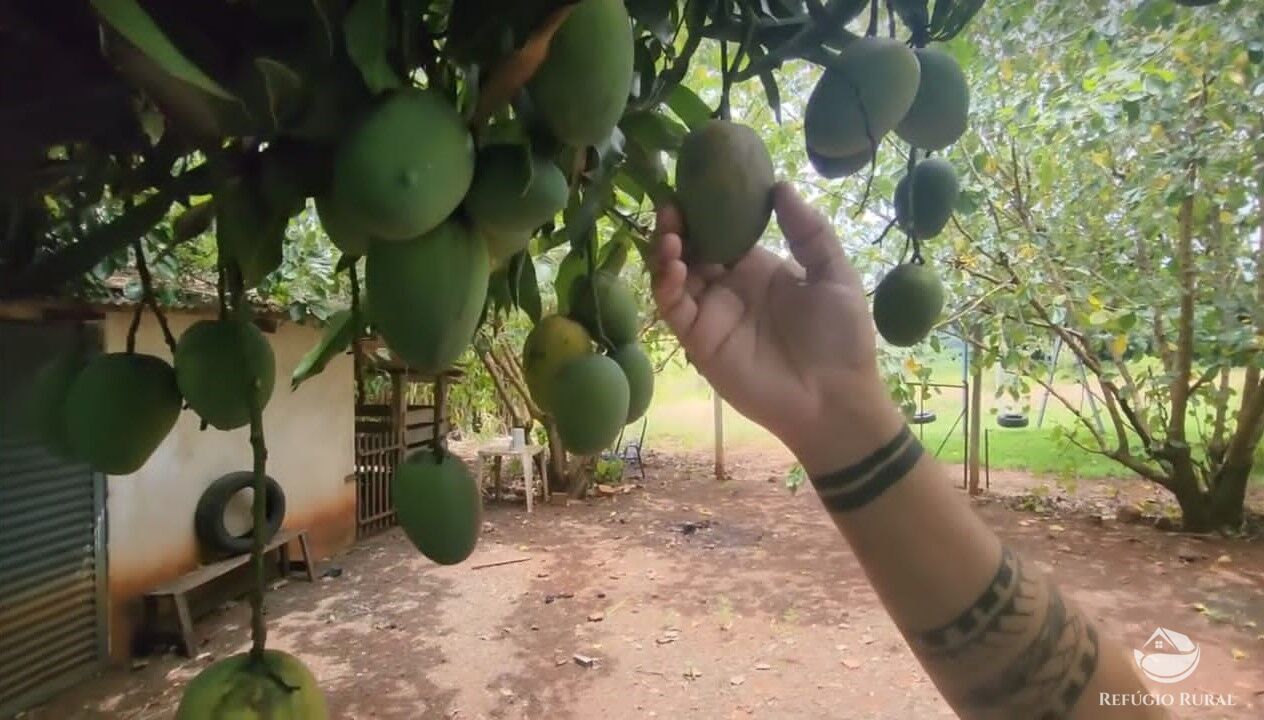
x,y
584,660
692,673
763,666
1238,654
596,617
851,663
737,680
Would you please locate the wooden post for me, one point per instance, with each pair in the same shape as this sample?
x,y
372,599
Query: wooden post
x,y
440,407
976,419
399,414
719,435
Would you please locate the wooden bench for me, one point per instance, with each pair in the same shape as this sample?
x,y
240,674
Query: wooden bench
x,y
177,590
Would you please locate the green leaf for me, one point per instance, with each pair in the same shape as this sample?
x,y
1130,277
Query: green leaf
x,y
771,91
341,330
652,130
367,30
614,254
523,287
248,231
655,16
282,89
132,22
688,106
1099,317
193,222
572,267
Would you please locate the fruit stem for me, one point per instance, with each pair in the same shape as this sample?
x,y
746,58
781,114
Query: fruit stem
x,y
259,508
148,298
258,629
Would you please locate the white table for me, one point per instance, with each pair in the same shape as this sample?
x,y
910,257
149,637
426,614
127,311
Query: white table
x,y
501,449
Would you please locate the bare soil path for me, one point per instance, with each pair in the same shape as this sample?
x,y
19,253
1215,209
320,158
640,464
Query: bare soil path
x,y
691,598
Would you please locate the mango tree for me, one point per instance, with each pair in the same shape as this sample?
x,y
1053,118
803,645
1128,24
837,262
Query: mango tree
x,y
1116,177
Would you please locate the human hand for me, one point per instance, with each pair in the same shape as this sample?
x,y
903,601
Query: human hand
x,y
788,343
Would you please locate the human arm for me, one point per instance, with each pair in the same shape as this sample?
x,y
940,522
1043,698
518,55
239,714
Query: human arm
x,y
790,344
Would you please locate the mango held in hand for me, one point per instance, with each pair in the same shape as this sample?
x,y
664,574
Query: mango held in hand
x,y
242,688
924,200
439,505
861,96
405,168
581,88
553,342
639,372
724,180
590,400
119,409
425,294
617,306
907,303
218,363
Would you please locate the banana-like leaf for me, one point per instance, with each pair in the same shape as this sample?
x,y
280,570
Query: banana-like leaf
x,y
342,328
132,22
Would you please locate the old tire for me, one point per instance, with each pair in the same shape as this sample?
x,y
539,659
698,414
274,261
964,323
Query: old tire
x,y
1012,420
208,519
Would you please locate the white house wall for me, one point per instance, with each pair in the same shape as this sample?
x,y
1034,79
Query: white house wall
x,y
309,435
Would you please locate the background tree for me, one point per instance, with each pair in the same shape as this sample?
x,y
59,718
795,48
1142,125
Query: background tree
x,y
1116,171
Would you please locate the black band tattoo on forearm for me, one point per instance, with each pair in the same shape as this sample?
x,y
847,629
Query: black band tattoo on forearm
x,y
1048,665
860,484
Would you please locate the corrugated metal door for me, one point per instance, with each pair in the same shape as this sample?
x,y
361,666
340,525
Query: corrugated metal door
x,y
52,542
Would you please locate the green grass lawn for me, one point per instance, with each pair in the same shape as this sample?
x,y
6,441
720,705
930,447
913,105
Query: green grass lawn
x,y
681,417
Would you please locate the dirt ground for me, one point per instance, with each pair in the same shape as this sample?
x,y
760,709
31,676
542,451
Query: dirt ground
x,y
692,598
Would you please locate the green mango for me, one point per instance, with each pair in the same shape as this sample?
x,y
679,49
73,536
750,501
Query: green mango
x,y
581,88
924,204
589,400
941,107
724,181
907,304
860,97
216,362
242,688
119,409
514,190
405,167
425,295
639,372
619,317
439,505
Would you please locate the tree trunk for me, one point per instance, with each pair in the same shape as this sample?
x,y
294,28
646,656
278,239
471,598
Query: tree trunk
x,y
1229,497
1196,510
557,459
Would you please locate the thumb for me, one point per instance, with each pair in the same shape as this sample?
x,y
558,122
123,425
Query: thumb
x,y
811,239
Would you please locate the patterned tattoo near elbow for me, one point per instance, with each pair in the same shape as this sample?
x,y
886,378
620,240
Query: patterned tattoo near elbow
x,y
858,485
1045,652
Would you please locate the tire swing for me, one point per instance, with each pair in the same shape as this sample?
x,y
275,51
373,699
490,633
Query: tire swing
x,y
208,519
923,417
1012,420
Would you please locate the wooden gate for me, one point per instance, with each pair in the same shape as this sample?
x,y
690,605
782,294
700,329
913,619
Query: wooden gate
x,y
385,433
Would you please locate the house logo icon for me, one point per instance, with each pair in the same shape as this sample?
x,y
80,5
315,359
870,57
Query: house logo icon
x,y
1168,656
